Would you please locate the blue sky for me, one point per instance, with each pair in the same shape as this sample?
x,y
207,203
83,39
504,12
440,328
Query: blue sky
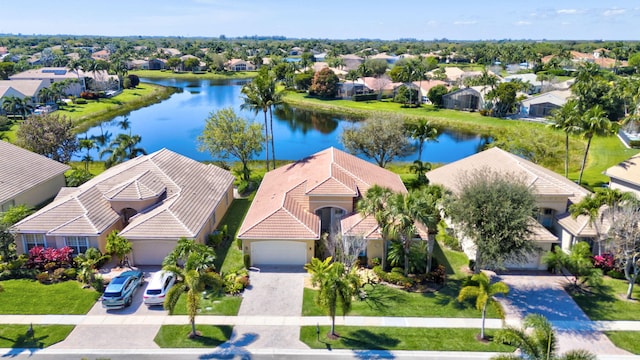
x,y
330,19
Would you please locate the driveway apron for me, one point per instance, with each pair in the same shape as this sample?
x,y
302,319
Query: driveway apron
x,y
274,291
545,295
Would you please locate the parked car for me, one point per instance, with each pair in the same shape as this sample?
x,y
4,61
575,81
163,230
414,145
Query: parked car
x,y
158,287
120,291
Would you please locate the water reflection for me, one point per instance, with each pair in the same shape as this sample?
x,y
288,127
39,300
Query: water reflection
x,y
305,120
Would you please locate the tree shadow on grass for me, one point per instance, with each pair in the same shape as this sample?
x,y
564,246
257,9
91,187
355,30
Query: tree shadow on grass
x,y
232,219
379,298
234,348
25,342
366,340
595,304
212,341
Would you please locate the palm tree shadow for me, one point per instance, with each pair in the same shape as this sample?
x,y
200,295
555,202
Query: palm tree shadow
x,y
376,297
234,348
363,341
25,342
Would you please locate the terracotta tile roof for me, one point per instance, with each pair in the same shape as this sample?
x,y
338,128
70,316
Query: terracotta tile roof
x,y
21,170
280,208
541,180
188,193
355,224
627,171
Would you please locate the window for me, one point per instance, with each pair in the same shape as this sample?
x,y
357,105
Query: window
x,y
79,244
545,217
32,240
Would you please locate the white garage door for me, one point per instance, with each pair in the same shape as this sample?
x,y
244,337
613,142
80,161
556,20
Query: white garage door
x,y
278,253
531,263
150,252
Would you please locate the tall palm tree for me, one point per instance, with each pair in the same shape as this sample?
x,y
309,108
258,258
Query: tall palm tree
x,y
484,293
253,101
402,212
420,168
123,147
337,287
589,206
422,130
594,122
373,204
76,66
536,341
87,144
196,274
566,119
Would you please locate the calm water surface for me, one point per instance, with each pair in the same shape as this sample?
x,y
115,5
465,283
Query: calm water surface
x,y
176,123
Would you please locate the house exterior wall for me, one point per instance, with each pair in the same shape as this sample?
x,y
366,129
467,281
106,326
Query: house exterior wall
x,y
216,216
318,202
624,186
41,193
557,203
374,250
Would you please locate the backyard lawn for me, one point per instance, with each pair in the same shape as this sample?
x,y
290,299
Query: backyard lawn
x,y
228,256
29,297
17,336
176,336
610,303
398,338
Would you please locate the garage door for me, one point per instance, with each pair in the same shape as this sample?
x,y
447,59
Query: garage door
x,y
150,252
278,253
530,263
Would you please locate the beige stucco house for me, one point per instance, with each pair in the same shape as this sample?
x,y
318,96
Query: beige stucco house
x,y
625,176
240,65
102,80
297,203
154,200
554,194
27,178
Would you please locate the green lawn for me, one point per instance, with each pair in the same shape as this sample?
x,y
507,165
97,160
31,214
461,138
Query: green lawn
x,y
610,303
228,256
212,305
627,340
176,336
158,74
31,297
17,336
397,338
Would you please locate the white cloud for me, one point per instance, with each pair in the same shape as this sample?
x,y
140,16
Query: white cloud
x,y
465,22
614,12
567,11
522,22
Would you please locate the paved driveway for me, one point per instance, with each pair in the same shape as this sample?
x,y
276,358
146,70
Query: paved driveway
x,y
544,294
115,335
274,291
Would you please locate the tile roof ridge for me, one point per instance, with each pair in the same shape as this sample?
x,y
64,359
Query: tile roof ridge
x,y
298,220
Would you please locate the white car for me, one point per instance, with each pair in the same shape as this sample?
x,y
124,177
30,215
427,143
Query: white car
x,y
159,285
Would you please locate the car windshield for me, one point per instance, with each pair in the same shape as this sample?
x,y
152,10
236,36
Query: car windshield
x,y
112,294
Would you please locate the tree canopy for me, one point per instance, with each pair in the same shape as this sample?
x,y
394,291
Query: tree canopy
x,y
226,135
382,138
50,135
495,211
325,84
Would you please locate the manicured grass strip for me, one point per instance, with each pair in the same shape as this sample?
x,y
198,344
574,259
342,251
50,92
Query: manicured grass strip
x,y
386,301
212,305
609,302
177,336
455,262
396,338
228,256
627,340
32,298
17,336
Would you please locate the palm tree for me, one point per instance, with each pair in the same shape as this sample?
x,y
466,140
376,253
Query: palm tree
x,y
589,206
373,204
77,65
402,212
197,275
253,101
484,294
123,147
87,144
420,168
594,122
353,76
536,341
422,130
566,119
337,287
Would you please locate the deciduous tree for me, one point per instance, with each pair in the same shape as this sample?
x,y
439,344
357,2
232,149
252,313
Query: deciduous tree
x,y
495,211
50,135
226,135
382,138
325,84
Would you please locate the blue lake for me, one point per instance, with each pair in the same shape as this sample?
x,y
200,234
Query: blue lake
x,y
176,123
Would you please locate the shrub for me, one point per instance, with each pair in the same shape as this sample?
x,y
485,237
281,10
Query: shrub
x,y
134,79
89,95
214,239
239,243
438,276
49,258
58,275
98,283
376,261
365,97
398,270
43,277
247,260
70,274
235,282
616,274
606,262
81,101
126,83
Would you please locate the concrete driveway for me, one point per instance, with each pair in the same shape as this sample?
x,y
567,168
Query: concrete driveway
x,y
274,291
544,294
110,333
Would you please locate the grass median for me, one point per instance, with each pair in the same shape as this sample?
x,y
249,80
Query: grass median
x,y
29,297
20,337
177,336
